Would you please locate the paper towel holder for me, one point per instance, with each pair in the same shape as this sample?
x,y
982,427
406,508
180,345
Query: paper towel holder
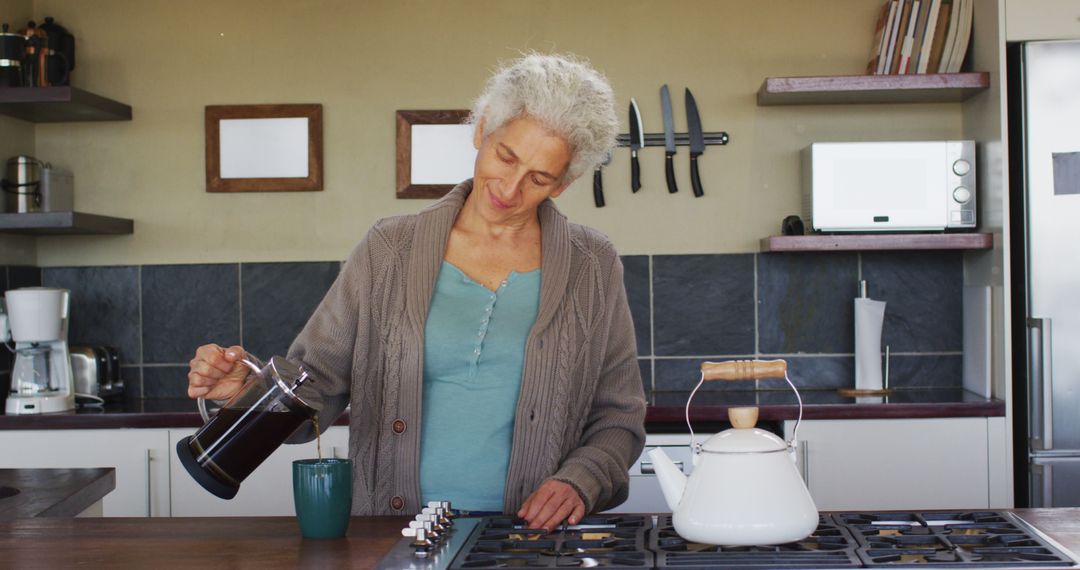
x,y
856,391
884,391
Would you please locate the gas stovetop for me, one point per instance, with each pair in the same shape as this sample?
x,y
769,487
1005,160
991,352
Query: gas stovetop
x,y
977,539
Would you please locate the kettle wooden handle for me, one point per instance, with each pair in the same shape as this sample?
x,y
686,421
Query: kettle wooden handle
x,y
744,369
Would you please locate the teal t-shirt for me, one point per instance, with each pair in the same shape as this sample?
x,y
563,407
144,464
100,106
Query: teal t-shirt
x,y
474,351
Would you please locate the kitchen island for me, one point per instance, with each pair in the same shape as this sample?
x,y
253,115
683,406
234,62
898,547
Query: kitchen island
x,y
266,543
26,493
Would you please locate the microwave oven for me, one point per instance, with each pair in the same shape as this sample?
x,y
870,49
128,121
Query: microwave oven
x,y
889,186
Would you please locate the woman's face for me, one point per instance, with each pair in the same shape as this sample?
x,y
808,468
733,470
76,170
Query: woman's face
x,y
518,166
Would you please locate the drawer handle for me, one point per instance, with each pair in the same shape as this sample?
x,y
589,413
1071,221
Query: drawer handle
x,y
648,469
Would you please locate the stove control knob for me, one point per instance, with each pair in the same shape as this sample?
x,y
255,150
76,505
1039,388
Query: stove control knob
x,y
421,545
436,524
434,515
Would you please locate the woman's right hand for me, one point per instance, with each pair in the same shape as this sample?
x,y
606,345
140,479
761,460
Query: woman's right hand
x,y
216,373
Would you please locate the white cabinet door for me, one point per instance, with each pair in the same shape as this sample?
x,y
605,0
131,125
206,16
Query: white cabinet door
x,y
266,492
140,456
895,464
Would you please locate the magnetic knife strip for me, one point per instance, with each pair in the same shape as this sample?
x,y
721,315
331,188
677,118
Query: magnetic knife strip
x,y
681,139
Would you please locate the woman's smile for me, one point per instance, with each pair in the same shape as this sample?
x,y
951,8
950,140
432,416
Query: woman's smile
x,y
518,166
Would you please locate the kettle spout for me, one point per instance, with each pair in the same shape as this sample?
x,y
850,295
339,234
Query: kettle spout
x,y
672,480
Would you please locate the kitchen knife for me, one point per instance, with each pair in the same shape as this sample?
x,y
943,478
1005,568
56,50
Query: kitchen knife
x,y
669,139
598,182
697,142
637,140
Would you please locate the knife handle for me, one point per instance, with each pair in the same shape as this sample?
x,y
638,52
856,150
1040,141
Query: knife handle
x,y
669,172
635,172
695,178
598,188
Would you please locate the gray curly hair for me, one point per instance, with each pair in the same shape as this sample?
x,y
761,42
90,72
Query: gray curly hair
x,y
563,93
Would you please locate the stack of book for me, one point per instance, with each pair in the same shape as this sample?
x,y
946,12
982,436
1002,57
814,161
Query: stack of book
x,y
921,36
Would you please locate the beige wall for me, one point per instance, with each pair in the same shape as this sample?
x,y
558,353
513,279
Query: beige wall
x,y
16,137
364,60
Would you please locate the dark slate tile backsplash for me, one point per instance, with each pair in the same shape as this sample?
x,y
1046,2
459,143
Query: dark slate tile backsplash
x,y
277,299
104,306
636,277
801,302
924,292
686,309
703,304
185,306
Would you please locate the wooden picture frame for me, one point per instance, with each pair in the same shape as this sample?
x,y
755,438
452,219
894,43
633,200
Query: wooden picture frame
x,y
408,185
262,148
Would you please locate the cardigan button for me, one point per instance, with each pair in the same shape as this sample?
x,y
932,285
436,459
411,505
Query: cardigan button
x,y
397,503
399,426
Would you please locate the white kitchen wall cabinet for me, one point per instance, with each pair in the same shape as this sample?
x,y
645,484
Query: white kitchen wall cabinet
x,y
1027,20
266,492
141,458
942,463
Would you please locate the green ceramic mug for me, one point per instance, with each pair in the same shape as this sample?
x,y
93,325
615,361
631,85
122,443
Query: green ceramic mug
x,y
322,492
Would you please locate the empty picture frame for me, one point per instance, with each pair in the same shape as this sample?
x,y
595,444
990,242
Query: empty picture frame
x,y
434,152
264,148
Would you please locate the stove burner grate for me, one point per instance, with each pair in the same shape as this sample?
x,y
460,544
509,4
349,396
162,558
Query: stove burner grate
x,y
962,539
828,547
598,541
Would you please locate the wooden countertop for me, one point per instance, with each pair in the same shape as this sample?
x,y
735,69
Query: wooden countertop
x,y
665,408
52,492
263,543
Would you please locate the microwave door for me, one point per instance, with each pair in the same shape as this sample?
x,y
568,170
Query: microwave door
x,y
878,187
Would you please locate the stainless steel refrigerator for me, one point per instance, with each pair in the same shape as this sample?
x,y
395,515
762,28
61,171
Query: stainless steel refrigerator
x,y
1044,163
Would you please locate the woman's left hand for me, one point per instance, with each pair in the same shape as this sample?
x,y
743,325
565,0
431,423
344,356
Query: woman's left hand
x,y
551,504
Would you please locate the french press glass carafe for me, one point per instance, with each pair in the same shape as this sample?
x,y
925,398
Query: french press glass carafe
x,y
248,428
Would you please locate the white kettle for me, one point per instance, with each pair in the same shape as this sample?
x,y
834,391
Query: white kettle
x,y
745,489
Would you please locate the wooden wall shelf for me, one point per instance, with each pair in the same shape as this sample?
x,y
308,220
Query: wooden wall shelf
x,y
877,242
846,89
59,105
64,223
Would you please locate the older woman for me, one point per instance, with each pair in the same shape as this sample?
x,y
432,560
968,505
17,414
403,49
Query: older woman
x,y
485,343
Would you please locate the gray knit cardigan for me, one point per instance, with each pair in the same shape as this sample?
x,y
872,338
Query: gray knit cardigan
x,y
580,415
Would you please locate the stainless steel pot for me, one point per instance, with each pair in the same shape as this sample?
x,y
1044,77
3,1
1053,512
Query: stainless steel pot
x,y
22,184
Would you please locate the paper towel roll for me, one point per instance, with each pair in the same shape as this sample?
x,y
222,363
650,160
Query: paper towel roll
x,y
869,316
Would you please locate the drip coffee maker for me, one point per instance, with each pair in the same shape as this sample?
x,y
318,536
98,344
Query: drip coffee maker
x,y
41,380
248,428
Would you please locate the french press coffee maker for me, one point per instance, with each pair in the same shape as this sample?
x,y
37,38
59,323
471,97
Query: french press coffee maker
x,y
248,428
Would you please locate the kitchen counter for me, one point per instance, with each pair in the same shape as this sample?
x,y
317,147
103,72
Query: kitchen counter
x,y
27,493
712,405
666,408
265,543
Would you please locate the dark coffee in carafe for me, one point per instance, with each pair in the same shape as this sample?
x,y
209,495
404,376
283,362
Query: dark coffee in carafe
x,y
247,429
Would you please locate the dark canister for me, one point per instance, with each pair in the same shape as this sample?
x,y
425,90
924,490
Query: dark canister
x,y
12,51
60,55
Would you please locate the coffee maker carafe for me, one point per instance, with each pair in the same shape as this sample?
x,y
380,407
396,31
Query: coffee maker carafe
x,y
41,380
248,428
